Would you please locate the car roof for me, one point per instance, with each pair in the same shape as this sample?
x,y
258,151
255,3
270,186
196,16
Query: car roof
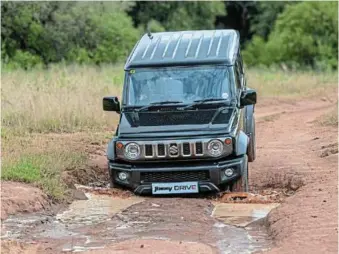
x,y
185,48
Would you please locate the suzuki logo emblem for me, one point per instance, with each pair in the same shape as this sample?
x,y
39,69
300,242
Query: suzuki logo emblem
x,y
173,150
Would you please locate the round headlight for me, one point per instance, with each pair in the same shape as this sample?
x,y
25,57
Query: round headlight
x,y
132,151
215,148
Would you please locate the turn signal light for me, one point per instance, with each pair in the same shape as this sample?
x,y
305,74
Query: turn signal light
x,y
228,141
119,145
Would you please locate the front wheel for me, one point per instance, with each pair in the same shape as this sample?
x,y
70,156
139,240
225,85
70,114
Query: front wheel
x,y
241,184
251,150
111,178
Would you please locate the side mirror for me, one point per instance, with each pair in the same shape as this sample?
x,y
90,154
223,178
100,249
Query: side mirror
x,y
111,104
248,97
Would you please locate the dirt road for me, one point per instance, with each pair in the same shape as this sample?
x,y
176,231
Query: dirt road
x,y
296,159
294,150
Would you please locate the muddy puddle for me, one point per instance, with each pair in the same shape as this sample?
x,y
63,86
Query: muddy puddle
x,y
105,221
242,215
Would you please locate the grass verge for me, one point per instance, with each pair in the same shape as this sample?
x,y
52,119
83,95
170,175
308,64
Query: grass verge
x,y
280,84
40,159
43,170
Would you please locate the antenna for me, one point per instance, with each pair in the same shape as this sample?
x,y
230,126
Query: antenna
x,y
149,34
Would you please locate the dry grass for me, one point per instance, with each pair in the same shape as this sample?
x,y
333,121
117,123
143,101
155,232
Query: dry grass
x,y
271,118
68,99
282,84
329,119
59,99
40,103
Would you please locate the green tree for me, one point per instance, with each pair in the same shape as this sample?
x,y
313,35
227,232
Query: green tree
x,y
305,34
173,15
66,31
265,15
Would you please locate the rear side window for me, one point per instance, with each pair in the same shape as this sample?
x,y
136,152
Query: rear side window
x,y
237,75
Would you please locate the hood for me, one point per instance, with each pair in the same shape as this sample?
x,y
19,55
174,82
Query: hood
x,y
175,122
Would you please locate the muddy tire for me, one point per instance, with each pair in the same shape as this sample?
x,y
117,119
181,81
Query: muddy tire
x,y
251,150
241,184
111,178
111,184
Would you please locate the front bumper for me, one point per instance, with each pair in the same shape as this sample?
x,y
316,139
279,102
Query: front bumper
x,y
209,174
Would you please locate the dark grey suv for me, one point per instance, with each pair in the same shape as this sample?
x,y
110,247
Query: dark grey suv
x,y
186,117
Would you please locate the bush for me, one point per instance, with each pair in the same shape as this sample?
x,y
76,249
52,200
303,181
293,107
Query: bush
x,y
24,60
116,36
52,32
304,34
153,26
255,52
175,15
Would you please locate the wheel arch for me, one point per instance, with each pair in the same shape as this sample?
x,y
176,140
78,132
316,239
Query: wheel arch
x,y
111,149
242,142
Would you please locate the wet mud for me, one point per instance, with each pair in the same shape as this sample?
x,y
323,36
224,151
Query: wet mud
x,y
104,220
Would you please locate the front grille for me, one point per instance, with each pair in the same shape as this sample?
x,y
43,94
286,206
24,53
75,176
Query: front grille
x,y
148,150
198,148
174,150
186,149
161,150
174,176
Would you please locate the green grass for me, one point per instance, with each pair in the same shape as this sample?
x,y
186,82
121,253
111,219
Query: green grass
x,y
43,169
26,169
40,159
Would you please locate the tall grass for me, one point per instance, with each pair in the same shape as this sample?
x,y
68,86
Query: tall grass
x,y
67,99
60,99
282,84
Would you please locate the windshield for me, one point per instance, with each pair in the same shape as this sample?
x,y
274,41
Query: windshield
x,y
178,84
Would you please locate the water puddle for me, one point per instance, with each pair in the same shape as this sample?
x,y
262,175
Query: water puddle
x,y
14,226
241,215
163,246
105,222
96,209
240,240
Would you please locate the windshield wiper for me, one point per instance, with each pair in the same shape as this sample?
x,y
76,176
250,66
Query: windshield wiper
x,y
159,103
203,101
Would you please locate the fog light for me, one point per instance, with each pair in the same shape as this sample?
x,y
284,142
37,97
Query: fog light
x,y
123,176
229,172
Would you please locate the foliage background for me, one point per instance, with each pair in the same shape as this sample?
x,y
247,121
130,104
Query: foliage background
x,y
285,34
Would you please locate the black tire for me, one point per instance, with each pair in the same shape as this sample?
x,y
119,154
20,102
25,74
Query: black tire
x,y
251,150
111,178
241,184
